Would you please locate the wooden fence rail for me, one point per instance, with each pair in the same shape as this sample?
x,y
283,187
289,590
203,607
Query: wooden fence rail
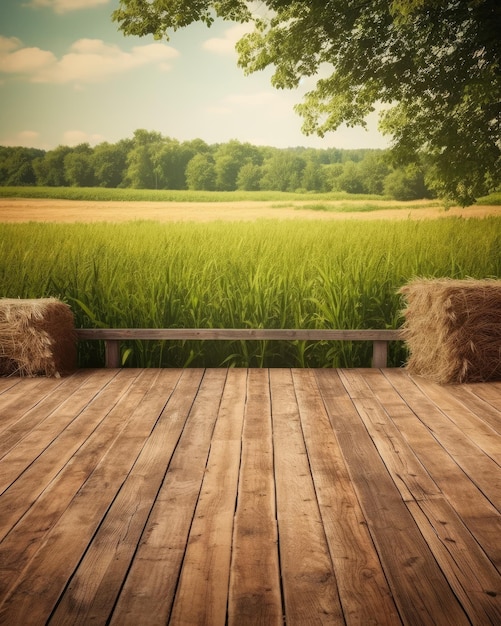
x,y
113,336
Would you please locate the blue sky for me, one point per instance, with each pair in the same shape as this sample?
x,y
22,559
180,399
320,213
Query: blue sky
x,y
67,76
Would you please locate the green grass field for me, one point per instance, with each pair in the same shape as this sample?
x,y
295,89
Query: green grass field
x,y
102,194
262,274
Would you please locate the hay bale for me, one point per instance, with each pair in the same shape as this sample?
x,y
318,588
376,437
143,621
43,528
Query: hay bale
x,y
453,329
37,338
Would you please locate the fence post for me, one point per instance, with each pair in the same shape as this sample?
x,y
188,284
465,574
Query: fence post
x,y
112,353
379,354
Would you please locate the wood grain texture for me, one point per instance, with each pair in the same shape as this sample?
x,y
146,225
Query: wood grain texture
x,y
254,596
113,336
309,580
228,497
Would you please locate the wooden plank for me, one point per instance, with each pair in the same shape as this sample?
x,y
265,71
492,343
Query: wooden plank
x,y
48,403
93,456
255,596
94,587
407,472
232,334
490,392
476,511
49,432
484,410
474,462
308,578
418,585
460,556
202,592
8,382
470,573
58,528
364,592
473,427
148,592
24,396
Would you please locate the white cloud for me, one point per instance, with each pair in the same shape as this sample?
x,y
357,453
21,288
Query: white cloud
x,y
7,44
27,61
226,45
88,61
34,139
64,6
25,138
75,137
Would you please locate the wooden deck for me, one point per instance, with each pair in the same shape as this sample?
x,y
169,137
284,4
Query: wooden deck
x,y
249,497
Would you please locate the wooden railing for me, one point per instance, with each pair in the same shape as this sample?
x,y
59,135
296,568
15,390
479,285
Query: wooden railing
x,y
113,336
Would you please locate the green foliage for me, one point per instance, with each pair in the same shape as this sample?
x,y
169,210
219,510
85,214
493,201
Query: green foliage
x,y
79,168
373,170
157,195
152,161
351,179
491,200
283,171
435,66
110,163
158,18
313,176
229,159
200,173
268,273
249,177
49,169
405,184
16,165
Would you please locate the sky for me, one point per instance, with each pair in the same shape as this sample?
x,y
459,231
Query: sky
x,y
68,76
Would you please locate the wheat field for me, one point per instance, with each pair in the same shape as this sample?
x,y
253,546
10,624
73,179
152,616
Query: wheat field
x,y
265,273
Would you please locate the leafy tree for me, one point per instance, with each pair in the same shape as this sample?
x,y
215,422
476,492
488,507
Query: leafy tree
x,y
78,166
200,173
50,170
434,64
313,176
197,146
141,173
16,165
332,172
226,170
373,171
249,177
110,162
171,160
143,168
351,180
157,162
229,159
406,183
283,171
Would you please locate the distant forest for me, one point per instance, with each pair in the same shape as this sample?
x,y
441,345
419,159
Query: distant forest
x,y
151,161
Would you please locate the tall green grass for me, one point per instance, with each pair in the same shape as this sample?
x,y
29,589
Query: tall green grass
x,y
103,194
264,274
492,199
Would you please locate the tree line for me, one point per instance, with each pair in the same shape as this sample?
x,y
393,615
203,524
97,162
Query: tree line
x,y
149,160
433,64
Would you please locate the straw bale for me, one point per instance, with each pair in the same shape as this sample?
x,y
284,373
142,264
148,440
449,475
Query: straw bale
x,y
453,329
37,337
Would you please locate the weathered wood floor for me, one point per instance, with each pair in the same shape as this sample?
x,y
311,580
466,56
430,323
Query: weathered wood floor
x,y
249,497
